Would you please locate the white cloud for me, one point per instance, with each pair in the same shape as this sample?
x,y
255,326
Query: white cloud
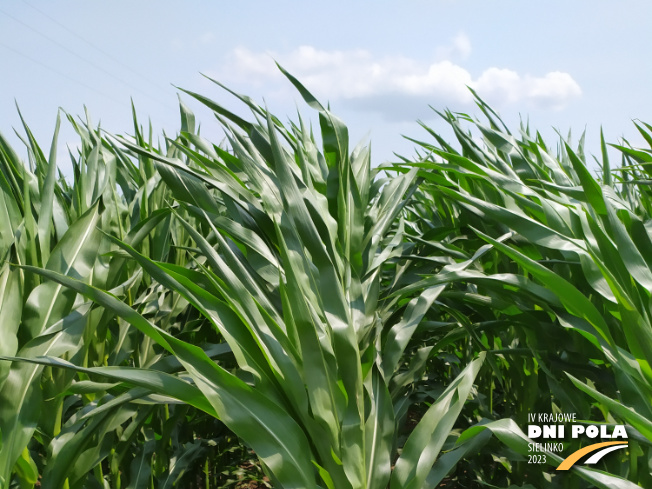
x,y
460,47
399,87
554,91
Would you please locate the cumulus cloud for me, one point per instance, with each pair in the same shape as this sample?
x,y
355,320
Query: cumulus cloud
x,y
459,47
400,87
554,90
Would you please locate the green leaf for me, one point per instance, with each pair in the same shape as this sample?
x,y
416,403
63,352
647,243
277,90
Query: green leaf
x,y
21,395
26,470
11,305
379,434
424,444
74,255
627,414
47,198
264,425
591,187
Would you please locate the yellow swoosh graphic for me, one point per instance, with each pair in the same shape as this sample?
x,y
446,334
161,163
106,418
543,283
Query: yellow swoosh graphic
x,y
575,456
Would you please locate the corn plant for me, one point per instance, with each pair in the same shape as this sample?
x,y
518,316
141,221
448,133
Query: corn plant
x,y
294,262
562,302
276,290
48,435
43,225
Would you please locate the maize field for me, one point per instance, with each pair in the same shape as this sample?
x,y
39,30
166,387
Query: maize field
x,y
274,310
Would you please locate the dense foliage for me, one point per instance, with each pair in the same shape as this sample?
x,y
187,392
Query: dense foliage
x,y
276,312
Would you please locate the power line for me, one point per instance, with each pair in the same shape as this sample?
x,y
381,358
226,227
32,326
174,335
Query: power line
x,y
97,48
94,65
60,73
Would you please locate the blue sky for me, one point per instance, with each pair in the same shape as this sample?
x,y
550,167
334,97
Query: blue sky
x,y
566,65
